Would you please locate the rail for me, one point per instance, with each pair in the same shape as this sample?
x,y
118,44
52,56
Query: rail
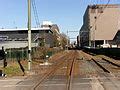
x,y
70,75
52,71
104,69
111,62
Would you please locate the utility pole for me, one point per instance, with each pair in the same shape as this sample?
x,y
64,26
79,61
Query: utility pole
x,y
90,36
94,31
67,39
29,35
72,32
94,37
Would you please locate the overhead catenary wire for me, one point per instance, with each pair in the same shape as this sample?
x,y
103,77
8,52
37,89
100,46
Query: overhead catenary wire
x,y
93,2
98,16
35,13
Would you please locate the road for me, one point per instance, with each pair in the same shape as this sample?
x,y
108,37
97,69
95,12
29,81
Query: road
x,y
73,70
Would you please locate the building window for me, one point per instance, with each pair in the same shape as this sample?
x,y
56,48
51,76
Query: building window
x,y
100,10
93,10
3,38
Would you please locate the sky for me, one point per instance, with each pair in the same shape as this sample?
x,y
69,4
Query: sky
x,y
67,14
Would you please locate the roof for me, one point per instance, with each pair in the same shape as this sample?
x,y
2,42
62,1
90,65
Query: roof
x,y
24,29
105,5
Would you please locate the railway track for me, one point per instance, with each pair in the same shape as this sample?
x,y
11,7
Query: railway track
x,y
70,76
56,70
102,67
107,66
105,71
111,62
49,72
74,71
109,76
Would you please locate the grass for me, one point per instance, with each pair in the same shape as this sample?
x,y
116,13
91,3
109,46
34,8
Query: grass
x,y
13,69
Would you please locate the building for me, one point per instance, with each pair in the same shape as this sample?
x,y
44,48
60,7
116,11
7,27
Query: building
x,y
56,32
78,41
101,26
18,38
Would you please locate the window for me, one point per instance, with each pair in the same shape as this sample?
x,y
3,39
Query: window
x,y
100,10
3,38
93,10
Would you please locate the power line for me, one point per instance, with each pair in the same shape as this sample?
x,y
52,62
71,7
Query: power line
x,y
35,13
98,16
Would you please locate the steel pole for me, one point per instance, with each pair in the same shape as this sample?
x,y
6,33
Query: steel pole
x,y
67,40
90,36
29,35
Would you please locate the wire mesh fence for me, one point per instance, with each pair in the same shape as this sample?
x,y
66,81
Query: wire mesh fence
x,y
36,52
16,54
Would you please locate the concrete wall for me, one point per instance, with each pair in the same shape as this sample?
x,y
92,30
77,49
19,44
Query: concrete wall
x,y
100,23
105,26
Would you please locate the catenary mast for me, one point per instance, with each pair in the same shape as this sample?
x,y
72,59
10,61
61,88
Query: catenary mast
x,y
29,35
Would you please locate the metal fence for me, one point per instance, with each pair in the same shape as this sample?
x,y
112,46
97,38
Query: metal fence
x,y
15,54
22,53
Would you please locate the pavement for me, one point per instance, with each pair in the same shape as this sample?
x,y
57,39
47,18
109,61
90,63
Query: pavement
x,y
59,83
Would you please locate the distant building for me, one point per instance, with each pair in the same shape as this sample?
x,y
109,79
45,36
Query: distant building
x,y
101,26
53,27
56,32
47,35
18,38
78,40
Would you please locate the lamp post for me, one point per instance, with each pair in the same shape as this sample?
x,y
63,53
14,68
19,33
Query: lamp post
x,y
29,35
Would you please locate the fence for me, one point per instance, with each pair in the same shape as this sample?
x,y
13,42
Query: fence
x,y
36,52
15,54
111,52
